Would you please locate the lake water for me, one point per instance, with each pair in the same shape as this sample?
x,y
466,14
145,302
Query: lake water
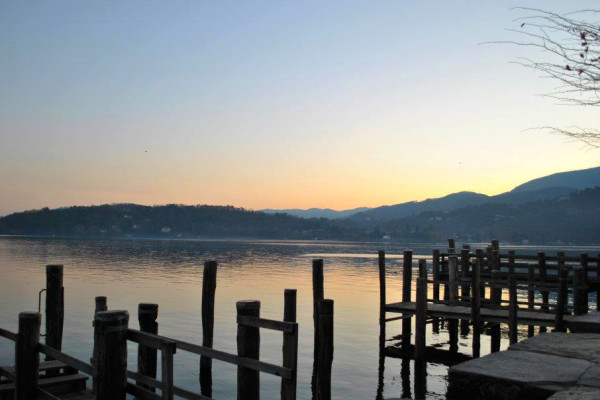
x,y
169,272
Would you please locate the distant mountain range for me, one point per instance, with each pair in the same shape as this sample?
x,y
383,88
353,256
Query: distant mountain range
x,y
544,188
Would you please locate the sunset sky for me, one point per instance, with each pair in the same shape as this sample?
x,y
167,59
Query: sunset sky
x,y
273,104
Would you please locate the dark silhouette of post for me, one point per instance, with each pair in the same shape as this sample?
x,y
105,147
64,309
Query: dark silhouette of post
x,y
101,305
147,315
421,320
561,300
435,271
110,335
209,287
465,289
476,309
248,345
382,294
325,354
579,291
290,346
318,295
27,358
453,300
543,276
54,306
513,308
406,296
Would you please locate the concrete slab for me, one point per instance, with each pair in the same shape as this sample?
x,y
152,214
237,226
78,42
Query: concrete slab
x,y
515,375
577,393
586,323
583,346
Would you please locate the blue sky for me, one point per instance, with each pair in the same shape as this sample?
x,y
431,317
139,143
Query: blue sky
x,y
271,104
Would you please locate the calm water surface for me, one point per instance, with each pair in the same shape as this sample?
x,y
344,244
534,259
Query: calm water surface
x,y
169,272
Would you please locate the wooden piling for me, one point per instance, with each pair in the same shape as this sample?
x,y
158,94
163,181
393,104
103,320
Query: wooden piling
x,y
465,289
100,305
325,349
382,295
209,287
511,262
147,315
421,319
435,270
453,299
110,335
585,266
451,246
27,358
530,295
543,278
512,309
496,295
476,309
318,294
406,296
495,245
598,278
248,345
480,258
579,289
54,306
290,346
167,351
561,300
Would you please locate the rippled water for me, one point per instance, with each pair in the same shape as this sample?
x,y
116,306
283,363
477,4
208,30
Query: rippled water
x,y
169,272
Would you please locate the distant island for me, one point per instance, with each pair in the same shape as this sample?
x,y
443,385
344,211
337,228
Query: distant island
x,y
558,209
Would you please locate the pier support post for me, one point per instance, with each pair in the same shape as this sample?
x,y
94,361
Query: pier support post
x,y
530,295
27,358
465,289
54,306
453,299
545,294
406,296
435,270
110,336
476,309
495,294
209,287
579,290
248,345
147,314
512,309
325,350
421,319
290,346
100,305
382,294
586,271
562,299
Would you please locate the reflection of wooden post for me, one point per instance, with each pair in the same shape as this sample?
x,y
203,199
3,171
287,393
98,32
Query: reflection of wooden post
x,y
382,296
248,345
290,346
209,287
476,309
27,358
147,314
406,296
325,349
110,335
512,309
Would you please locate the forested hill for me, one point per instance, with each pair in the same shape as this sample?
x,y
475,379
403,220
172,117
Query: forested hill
x,y
167,221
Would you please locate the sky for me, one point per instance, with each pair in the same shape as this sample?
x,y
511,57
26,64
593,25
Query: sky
x,y
272,104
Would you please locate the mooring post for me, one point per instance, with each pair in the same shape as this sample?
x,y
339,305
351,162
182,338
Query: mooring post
x,y
406,296
451,246
100,305
27,357
495,245
110,336
147,315
585,266
579,288
167,351
325,349
54,306
480,258
562,300
290,346
382,295
495,296
209,287
530,294
543,275
435,270
318,295
512,309
465,289
421,318
248,345
453,299
476,308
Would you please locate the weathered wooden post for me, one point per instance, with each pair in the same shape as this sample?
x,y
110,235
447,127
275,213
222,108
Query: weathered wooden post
x,y
54,306
382,295
495,295
248,345
100,305
110,335
325,349
209,287
512,309
435,269
511,262
465,289
290,346
530,294
495,245
147,314
406,296
318,295
476,308
451,246
480,258
167,351
453,299
579,289
27,358
421,318
562,300
543,275
585,266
